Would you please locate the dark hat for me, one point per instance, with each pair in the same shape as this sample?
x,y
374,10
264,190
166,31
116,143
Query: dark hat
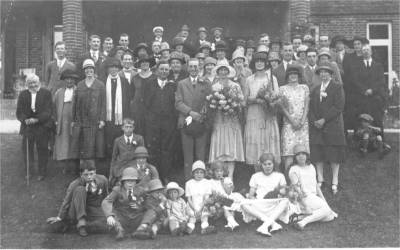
x,y
251,44
363,40
176,56
69,73
276,40
324,66
205,44
177,41
112,62
148,59
366,117
141,152
297,37
258,56
293,68
220,45
240,42
273,56
216,28
336,39
185,27
114,50
202,29
142,46
155,185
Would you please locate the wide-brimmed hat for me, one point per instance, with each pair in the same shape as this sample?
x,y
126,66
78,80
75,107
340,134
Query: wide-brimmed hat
x,y
222,64
158,28
300,148
112,62
176,56
256,57
205,44
336,39
217,28
220,45
140,152
69,73
202,29
88,63
148,59
238,54
164,46
274,56
366,117
175,186
301,48
324,52
130,173
251,44
297,37
209,60
154,185
178,40
114,50
262,48
142,46
324,66
198,165
293,68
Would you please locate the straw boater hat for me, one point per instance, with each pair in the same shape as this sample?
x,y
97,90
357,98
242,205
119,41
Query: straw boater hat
x,y
130,173
301,48
69,73
175,186
88,63
176,56
308,39
222,64
158,28
202,29
216,28
324,66
142,46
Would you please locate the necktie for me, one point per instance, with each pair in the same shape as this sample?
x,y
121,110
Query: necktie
x,y
130,193
129,141
94,57
367,64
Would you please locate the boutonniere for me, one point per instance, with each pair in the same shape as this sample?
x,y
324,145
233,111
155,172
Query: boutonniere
x,y
134,143
324,94
200,80
147,171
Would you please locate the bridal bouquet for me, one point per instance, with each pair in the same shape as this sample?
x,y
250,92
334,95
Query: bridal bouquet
x,y
272,101
227,100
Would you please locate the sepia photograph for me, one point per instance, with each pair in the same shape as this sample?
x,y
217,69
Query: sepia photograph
x,y
199,124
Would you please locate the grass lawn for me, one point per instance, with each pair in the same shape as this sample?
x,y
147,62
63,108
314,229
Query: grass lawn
x,y
367,204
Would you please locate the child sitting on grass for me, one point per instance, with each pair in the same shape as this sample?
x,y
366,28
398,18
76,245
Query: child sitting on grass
x,y
229,210
198,191
176,209
370,137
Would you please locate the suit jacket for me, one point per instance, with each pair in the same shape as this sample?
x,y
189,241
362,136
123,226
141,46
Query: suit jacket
x,y
189,98
43,110
133,74
122,152
280,74
331,109
53,73
311,78
102,192
58,101
99,68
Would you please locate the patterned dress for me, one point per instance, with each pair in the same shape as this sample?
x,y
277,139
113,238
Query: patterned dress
x,y
261,133
296,96
226,138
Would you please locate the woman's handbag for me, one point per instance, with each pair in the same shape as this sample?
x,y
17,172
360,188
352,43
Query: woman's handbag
x,y
195,128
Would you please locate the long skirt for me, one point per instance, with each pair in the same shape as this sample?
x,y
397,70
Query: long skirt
x,y
62,143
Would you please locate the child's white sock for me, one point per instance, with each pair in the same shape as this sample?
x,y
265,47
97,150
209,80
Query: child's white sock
x,y
204,224
191,225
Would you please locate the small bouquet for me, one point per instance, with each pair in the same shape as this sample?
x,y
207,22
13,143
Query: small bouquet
x,y
293,192
226,100
272,101
215,204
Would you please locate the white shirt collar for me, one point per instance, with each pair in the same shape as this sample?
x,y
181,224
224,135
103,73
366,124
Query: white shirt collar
x,y
368,60
193,79
130,138
61,62
161,83
96,52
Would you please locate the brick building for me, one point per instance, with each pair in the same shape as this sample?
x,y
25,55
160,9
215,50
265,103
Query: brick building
x,y
29,29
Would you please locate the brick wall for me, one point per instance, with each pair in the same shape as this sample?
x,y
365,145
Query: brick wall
x,y
350,18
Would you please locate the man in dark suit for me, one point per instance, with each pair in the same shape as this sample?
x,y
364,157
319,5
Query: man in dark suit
x,y
128,71
124,41
95,54
108,45
311,78
370,89
201,38
287,56
160,120
189,100
55,67
34,112
118,98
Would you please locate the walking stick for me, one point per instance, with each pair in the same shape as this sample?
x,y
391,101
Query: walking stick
x,y
27,161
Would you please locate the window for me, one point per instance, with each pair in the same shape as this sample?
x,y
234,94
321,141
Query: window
x,y
380,39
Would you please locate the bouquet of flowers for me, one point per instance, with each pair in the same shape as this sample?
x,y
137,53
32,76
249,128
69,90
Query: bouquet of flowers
x,y
215,204
272,101
226,100
293,192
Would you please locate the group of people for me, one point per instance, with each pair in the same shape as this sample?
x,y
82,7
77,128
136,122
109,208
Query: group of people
x,y
272,105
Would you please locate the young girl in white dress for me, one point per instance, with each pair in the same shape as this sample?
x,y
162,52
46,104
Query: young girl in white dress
x,y
313,201
266,210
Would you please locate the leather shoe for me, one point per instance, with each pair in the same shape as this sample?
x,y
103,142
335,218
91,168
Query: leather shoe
x,y
82,231
142,235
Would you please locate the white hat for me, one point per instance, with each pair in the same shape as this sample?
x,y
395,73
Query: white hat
x,y
174,185
88,63
221,64
158,28
198,165
238,53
